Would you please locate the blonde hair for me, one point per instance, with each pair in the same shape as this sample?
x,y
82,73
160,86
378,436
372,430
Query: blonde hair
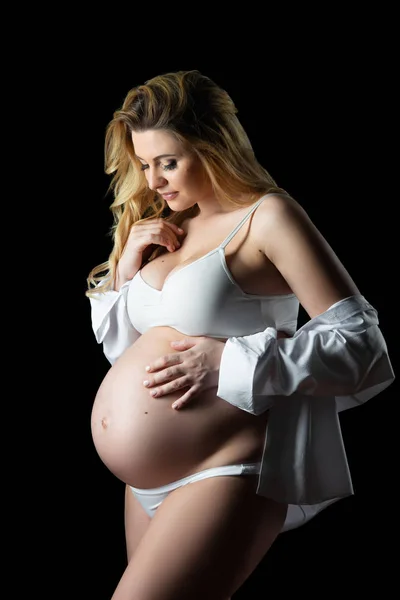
x,y
202,116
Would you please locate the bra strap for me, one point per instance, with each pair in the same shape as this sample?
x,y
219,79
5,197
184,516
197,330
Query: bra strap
x,y
239,225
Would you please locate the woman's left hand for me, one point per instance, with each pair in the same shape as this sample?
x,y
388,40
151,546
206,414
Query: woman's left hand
x,y
194,367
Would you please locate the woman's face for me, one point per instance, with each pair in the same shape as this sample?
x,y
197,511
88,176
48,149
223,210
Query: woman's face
x,y
171,170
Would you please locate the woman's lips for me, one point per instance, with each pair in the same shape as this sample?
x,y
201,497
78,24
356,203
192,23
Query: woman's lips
x,y
170,196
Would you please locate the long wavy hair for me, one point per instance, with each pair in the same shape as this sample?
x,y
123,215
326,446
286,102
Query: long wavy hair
x,y
203,117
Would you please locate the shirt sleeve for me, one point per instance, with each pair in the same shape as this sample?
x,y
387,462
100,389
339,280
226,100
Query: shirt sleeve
x,y
340,353
111,323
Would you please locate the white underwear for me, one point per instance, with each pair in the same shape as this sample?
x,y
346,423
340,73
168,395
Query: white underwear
x,y
151,498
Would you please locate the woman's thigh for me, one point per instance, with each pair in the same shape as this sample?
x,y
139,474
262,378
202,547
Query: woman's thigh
x,y
136,522
204,541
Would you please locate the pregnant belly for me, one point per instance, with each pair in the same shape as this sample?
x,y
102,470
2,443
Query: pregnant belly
x,y
146,443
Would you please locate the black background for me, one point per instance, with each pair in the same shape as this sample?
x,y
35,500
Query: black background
x,y
320,111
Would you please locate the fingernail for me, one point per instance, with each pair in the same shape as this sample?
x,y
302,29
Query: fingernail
x,y
146,383
175,405
148,368
153,393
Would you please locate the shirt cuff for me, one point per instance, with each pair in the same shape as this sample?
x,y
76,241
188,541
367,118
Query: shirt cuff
x,y
237,371
101,306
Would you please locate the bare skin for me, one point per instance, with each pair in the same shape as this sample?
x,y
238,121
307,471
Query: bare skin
x,y
204,541
146,444
207,537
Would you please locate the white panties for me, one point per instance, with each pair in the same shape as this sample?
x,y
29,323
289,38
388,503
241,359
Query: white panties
x,y
151,498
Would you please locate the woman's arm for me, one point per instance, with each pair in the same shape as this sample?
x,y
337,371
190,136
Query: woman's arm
x,y
110,321
340,351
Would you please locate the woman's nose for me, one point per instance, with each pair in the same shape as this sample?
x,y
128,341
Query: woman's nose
x,y
155,180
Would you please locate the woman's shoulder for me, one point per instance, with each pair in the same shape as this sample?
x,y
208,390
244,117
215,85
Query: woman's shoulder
x,y
280,219
275,207
277,201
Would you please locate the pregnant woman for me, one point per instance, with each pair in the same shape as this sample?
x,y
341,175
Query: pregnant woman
x,y
206,410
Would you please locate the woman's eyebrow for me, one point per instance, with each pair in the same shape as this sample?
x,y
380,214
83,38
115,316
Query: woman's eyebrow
x,y
157,157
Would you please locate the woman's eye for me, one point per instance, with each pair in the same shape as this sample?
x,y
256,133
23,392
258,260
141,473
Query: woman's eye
x,y
169,166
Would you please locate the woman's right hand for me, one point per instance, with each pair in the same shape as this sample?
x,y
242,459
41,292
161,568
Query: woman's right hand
x,y
154,232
